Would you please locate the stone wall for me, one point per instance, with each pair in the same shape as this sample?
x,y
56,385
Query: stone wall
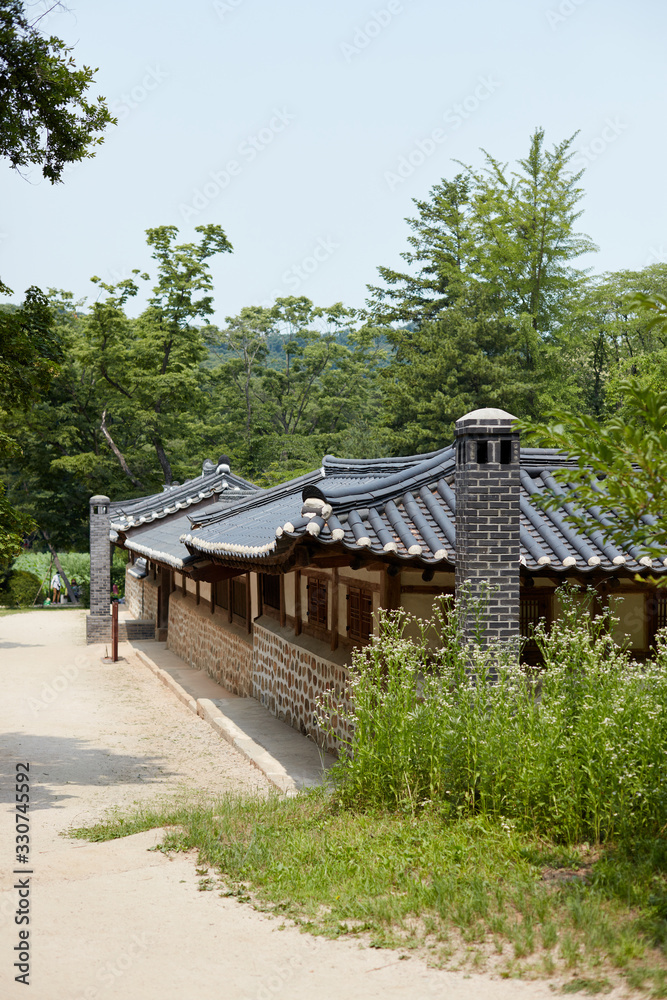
x,y
141,597
134,590
209,642
288,679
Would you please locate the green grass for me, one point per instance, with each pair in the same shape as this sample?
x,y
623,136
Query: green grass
x,y
468,893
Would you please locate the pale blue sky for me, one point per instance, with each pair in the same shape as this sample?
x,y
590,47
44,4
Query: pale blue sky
x,y
286,123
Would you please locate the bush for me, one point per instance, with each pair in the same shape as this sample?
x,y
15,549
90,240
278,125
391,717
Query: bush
x,y
21,590
76,565
576,753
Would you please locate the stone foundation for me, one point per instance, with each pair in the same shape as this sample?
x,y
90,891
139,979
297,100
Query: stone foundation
x,y
285,673
289,679
208,641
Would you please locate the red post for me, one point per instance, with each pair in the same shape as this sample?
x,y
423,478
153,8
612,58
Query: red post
x,y
114,631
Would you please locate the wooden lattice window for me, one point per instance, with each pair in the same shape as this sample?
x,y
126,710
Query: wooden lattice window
x,y
660,611
317,602
239,597
534,607
271,591
359,614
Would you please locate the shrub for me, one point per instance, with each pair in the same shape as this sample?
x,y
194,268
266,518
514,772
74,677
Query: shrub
x,y
578,752
21,590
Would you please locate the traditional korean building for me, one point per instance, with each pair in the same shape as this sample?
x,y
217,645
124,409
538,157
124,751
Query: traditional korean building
x,y
271,590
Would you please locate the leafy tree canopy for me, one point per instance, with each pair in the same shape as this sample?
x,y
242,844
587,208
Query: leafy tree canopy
x,y
46,118
620,473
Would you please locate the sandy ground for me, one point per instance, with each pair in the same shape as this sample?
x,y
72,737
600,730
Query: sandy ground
x,y
117,919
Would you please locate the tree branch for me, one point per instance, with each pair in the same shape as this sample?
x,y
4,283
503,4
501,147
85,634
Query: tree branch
x,y
117,452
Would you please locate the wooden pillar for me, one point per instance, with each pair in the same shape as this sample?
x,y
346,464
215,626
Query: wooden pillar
x,y
283,613
297,602
212,596
248,604
390,591
197,595
334,608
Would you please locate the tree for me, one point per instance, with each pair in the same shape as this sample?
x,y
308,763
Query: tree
x,y
45,117
471,356
608,335
479,319
152,367
620,473
295,380
511,231
29,356
46,120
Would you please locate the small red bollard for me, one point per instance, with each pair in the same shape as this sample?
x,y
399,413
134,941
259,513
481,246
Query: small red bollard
x,y
114,632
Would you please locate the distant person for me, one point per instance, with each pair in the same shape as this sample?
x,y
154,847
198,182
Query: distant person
x,y
56,587
114,592
76,590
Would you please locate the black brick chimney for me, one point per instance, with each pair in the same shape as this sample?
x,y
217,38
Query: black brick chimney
x,y
487,518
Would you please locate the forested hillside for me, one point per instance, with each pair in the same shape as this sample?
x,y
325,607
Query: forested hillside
x,y
489,307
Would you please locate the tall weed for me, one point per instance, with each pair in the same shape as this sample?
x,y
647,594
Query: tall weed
x,y
576,750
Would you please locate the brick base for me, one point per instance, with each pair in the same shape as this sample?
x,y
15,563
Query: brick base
x,y
98,629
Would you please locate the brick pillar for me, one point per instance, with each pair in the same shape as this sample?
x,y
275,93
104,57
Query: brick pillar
x,y
487,518
98,622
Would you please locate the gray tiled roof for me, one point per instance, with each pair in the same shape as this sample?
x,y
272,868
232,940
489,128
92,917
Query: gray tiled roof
x,y
402,508
152,525
214,481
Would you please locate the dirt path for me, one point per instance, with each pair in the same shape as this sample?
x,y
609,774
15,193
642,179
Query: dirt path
x,y
115,919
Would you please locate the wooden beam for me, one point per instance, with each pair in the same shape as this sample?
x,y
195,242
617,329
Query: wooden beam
x,y
334,609
425,588
297,602
248,604
197,595
212,573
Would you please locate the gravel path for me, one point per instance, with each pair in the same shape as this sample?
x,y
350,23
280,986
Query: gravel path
x,y
117,920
